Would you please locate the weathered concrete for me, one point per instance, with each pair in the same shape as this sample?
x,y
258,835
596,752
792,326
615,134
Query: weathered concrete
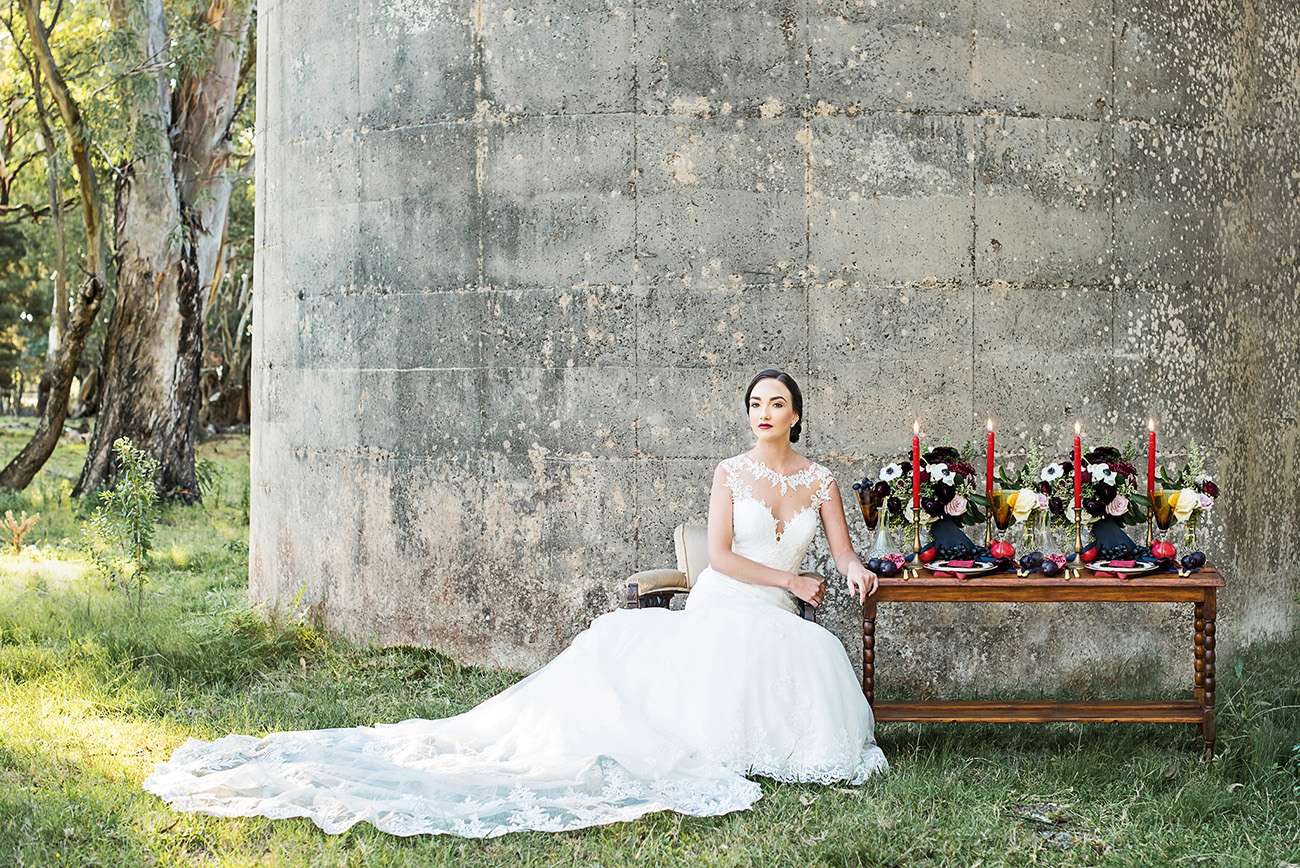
x,y
515,264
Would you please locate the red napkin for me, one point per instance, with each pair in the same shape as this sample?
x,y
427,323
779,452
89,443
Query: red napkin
x,y
1115,564
960,564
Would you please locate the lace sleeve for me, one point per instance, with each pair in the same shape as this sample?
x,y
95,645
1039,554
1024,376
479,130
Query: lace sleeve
x,y
823,481
735,482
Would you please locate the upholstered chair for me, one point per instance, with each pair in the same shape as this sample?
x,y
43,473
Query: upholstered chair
x,y
656,588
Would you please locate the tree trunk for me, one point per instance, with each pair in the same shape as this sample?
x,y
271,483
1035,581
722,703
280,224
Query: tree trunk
x,y
168,211
27,463
23,468
202,110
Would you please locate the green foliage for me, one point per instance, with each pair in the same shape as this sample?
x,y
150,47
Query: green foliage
x,y
210,478
119,538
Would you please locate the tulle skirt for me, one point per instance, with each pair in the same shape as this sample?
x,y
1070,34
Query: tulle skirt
x,y
647,710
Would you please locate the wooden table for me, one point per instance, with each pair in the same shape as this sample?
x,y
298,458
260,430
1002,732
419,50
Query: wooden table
x,y
1199,588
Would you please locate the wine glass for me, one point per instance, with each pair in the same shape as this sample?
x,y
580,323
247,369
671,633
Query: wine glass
x,y
1162,510
870,502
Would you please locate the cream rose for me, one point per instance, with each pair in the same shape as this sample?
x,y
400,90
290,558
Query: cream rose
x,y
1185,502
1024,502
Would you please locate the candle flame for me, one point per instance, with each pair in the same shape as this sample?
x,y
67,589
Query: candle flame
x,y
1076,427
990,423
1151,424
916,427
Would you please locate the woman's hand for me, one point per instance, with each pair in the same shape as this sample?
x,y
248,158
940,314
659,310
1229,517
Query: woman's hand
x,y
861,580
807,589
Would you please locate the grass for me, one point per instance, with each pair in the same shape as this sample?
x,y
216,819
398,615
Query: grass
x,y
92,695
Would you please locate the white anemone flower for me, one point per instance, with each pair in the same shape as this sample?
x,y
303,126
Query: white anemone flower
x,y
890,472
940,473
1097,470
1052,472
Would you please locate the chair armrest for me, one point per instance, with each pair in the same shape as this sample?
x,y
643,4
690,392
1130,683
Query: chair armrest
x,y
659,581
808,609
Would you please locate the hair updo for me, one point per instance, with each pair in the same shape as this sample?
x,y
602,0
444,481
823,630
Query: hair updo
x,y
796,397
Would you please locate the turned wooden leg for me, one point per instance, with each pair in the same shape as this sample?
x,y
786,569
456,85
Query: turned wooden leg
x,y
869,650
1208,730
1198,627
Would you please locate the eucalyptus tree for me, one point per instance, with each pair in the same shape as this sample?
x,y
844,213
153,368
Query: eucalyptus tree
x,y
174,77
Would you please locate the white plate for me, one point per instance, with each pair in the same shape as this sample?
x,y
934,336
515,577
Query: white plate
x,y
1136,569
967,571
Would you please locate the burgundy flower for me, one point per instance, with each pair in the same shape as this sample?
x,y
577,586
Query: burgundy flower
x,y
1210,488
1122,467
1101,455
941,455
962,468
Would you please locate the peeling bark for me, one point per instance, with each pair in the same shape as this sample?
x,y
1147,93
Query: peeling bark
x,y
170,215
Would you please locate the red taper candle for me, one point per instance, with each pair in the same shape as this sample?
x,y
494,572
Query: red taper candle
x,y
1151,456
988,474
1078,468
916,465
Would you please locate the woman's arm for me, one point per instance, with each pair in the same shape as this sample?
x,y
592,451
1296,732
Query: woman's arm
x,y
727,562
861,580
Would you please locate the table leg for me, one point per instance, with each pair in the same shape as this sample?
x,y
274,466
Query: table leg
x,y
1208,728
1198,627
869,650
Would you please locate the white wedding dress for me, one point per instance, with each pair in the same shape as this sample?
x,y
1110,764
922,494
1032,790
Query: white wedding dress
x,y
647,710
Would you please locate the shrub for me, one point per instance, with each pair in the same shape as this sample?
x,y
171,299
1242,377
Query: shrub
x,y
119,537
17,528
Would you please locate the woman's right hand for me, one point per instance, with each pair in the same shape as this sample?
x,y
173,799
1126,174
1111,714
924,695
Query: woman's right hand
x,y
807,589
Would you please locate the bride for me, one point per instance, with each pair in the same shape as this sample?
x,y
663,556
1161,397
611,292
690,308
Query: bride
x,y
739,685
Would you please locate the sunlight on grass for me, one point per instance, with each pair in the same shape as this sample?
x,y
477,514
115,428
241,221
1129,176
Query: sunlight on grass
x,y
38,569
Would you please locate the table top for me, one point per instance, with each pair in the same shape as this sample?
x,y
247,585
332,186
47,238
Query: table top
x,y
1086,587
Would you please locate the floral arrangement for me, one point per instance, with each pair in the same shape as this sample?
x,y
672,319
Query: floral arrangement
x,y
1110,487
1026,499
1195,491
948,488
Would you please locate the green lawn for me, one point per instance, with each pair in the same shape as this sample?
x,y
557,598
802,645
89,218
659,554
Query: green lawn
x,y
92,695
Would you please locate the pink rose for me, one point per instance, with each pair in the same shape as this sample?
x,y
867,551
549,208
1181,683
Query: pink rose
x,y
956,506
1206,501
1042,500
1118,506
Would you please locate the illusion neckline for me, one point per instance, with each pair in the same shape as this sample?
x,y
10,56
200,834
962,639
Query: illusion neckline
x,y
756,463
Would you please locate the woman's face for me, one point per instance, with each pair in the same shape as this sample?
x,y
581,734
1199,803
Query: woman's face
x,y
771,411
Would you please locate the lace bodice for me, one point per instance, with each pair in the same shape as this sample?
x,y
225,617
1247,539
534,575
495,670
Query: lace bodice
x,y
774,516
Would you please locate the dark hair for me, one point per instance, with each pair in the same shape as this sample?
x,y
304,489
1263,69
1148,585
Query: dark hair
x,y
795,396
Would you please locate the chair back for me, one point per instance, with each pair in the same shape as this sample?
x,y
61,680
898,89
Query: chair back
x,y
692,540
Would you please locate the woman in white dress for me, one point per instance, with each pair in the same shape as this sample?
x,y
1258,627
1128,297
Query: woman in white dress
x,y
741,685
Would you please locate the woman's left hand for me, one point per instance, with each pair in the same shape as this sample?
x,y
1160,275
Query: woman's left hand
x,y
862,581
